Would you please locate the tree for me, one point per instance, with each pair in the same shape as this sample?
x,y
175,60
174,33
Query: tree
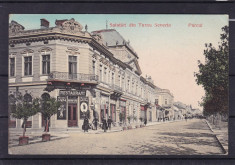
x,y
129,119
24,108
49,107
213,76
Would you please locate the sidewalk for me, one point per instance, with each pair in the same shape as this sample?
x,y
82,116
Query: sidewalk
x,y
36,136
221,134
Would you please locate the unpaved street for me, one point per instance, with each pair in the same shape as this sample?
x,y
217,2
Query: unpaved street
x,y
176,138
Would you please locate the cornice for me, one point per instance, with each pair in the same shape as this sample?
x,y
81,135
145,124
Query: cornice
x,y
47,37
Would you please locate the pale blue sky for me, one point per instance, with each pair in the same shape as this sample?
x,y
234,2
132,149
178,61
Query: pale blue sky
x,y
169,55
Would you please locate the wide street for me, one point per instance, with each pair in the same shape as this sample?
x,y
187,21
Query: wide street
x,y
192,137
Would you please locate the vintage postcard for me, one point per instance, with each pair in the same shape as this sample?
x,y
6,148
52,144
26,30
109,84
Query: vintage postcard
x,y
118,84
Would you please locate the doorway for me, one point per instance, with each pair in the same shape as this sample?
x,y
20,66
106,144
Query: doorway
x,y
72,115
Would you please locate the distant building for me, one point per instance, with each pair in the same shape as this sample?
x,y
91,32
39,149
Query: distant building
x,y
164,100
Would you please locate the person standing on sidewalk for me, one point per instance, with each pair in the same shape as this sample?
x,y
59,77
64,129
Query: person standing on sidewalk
x,y
104,124
109,122
145,122
95,122
85,124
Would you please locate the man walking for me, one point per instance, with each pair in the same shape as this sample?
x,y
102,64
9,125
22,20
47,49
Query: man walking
x,y
104,124
109,122
95,122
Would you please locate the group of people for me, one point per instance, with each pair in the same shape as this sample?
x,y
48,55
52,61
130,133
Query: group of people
x,y
106,124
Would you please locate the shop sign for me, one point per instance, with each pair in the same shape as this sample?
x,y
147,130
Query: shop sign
x,y
73,99
72,93
84,106
61,113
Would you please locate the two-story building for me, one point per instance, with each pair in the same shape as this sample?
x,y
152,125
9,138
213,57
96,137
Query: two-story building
x,y
164,100
95,74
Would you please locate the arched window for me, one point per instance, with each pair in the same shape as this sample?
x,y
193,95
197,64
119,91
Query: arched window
x,y
45,96
28,98
12,103
12,99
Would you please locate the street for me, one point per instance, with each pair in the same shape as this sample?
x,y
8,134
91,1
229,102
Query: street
x,y
191,137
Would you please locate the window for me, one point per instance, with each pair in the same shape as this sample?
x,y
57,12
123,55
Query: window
x,y
112,78
72,67
119,80
109,77
123,83
165,101
28,65
45,64
45,96
128,85
93,67
105,74
156,101
12,66
100,72
136,90
28,98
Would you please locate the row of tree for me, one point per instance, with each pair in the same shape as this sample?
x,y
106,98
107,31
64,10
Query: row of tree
x,y
213,75
22,108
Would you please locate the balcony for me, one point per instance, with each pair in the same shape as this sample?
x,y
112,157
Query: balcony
x,y
116,88
75,77
117,91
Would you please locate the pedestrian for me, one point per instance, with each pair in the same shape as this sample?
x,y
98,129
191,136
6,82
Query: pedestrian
x,y
104,124
186,118
95,122
109,122
145,122
85,124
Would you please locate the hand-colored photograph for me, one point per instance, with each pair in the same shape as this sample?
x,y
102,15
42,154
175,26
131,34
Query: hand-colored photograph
x,y
118,84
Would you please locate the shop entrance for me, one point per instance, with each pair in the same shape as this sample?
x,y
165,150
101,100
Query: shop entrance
x,y
72,115
113,112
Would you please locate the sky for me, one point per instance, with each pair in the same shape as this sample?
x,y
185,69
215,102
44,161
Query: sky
x,y
168,54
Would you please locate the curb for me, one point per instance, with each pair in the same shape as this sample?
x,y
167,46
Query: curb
x,y
216,138
39,141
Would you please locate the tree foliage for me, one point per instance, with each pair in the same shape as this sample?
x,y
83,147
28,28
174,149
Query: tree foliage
x,y
49,107
213,76
22,108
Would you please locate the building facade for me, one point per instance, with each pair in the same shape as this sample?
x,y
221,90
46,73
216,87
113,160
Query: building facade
x,y
164,102
95,74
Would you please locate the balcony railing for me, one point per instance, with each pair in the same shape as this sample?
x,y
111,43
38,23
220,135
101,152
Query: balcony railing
x,y
116,87
74,76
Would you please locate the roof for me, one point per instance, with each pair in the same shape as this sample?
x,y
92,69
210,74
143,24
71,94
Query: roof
x,y
111,38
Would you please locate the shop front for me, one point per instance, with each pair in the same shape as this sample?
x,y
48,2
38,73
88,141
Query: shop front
x,y
143,113
70,106
122,110
104,107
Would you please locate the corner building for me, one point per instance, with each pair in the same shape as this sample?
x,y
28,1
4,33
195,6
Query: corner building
x,y
95,74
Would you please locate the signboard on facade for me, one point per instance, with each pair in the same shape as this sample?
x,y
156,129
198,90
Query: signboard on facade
x,y
72,99
61,113
72,93
84,107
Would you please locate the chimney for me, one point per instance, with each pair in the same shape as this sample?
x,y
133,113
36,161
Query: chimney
x,y
44,23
